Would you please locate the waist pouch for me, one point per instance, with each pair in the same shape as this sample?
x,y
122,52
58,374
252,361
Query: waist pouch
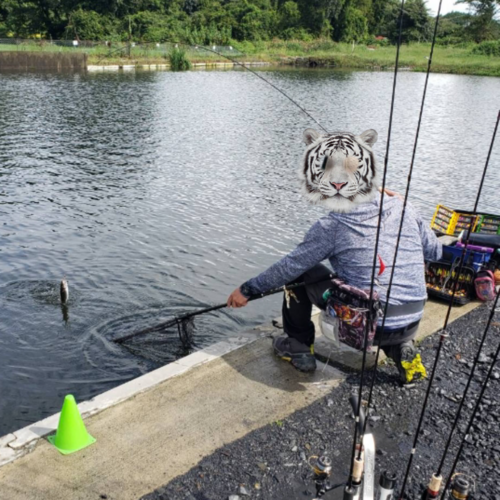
x,y
349,308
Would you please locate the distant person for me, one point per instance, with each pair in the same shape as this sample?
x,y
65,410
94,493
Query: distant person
x,y
339,172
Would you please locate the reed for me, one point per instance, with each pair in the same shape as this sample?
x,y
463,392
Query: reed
x,y
178,60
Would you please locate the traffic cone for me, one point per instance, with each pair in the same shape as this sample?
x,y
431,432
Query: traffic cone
x,y
71,434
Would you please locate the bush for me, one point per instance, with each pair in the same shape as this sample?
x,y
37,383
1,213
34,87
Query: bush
x,y
325,44
178,60
488,48
451,40
372,40
296,34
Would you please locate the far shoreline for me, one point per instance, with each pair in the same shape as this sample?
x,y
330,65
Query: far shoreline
x,y
413,57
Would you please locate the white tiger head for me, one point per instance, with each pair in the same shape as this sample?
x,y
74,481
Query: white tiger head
x,y
339,170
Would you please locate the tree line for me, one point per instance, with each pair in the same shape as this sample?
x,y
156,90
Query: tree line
x,y
222,21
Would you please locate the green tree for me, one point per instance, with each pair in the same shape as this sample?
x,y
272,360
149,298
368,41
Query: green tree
x,y
89,25
288,19
382,17
416,25
45,17
253,20
483,25
452,28
315,15
351,25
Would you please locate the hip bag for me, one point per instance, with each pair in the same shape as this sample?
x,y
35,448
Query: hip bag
x,y
348,308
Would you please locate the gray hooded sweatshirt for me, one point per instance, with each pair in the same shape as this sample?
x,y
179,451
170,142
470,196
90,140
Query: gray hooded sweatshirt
x,y
348,242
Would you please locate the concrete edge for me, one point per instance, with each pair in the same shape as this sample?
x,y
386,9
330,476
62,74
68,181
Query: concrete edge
x,y
18,443
132,67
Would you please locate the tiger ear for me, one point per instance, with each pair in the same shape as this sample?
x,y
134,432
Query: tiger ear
x,y
311,135
369,137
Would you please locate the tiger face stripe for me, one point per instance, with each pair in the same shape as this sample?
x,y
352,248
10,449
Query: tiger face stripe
x,y
339,170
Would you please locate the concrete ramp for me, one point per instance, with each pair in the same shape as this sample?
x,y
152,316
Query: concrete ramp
x,y
155,436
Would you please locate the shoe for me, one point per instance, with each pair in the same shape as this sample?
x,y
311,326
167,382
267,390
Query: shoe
x,y
299,355
409,363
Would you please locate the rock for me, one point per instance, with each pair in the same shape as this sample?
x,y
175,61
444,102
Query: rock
x,y
262,466
302,455
483,358
329,402
294,449
374,418
243,491
234,497
381,452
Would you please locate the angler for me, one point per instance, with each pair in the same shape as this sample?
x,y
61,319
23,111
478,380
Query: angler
x,y
339,172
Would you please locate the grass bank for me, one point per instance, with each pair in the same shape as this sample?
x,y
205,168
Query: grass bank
x,y
447,59
450,59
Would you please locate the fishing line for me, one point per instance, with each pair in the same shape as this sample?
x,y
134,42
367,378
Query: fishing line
x,y
444,333
480,397
238,63
476,361
375,253
405,203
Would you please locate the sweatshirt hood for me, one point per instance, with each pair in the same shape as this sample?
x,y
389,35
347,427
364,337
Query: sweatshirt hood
x,y
369,210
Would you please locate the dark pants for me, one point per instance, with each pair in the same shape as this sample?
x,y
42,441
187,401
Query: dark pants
x,y
297,318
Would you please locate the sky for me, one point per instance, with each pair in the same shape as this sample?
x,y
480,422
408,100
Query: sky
x,y
448,6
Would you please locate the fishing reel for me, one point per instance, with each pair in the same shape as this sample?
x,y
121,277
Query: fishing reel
x,y
322,468
462,487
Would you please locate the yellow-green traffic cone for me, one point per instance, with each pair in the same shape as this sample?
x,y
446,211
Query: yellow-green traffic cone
x,y
71,434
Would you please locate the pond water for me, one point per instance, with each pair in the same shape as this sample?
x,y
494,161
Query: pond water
x,y
159,192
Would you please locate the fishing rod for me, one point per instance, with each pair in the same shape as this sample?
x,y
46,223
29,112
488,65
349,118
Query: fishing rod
x,y
178,320
474,365
405,203
356,466
435,483
479,399
234,61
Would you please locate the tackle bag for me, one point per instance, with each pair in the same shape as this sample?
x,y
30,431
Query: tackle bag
x,y
348,309
485,285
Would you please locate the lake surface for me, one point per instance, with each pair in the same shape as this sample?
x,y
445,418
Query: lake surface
x,y
156,193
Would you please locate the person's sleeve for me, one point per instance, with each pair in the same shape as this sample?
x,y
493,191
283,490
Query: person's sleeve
x,y
432,247
317,246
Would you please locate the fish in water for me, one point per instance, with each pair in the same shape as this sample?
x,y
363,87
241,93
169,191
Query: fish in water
x,y
64,291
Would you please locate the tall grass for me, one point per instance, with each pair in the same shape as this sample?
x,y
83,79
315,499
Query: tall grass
x,y
178,60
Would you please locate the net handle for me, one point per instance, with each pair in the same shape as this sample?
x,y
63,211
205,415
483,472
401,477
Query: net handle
x,y
183,317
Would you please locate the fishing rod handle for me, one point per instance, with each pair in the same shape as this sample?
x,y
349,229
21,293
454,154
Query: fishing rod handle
x,y
257,296
293,286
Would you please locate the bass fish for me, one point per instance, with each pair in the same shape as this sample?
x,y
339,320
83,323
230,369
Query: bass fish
x,y
64,291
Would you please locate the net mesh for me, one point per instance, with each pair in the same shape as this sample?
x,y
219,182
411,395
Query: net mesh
x,y
165,343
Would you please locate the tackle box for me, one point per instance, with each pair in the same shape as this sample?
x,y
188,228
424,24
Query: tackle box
x,y
452,222
488,224
439,282
476,260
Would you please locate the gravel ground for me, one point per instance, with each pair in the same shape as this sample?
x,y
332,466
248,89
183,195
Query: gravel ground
x,y
272,462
